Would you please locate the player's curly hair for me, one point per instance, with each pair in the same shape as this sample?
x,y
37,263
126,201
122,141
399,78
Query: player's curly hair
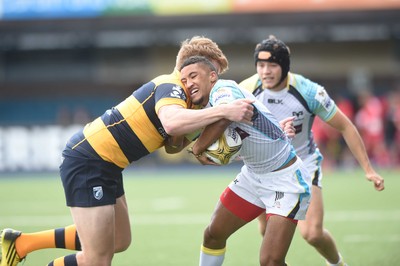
x,y
202,46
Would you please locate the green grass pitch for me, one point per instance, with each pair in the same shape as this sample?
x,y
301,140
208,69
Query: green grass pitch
x,y
170,208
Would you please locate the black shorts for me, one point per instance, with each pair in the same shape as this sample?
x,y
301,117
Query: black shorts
x,y
89,181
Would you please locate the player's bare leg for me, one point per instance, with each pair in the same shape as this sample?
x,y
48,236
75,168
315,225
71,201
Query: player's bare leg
x,y
223,224
277,239
312,229
262,223
95,227
122,225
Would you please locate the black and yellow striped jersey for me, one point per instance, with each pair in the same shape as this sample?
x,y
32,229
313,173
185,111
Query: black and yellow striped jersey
x,y
132,129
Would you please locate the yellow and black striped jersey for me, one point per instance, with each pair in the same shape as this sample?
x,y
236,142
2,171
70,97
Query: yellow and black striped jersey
x,y
132,129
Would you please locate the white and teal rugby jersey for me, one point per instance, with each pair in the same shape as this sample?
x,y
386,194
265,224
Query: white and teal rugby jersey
x,y
265,146
302,99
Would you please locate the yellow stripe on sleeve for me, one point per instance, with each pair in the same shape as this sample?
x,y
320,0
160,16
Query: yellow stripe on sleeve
x,y
59,262
170,101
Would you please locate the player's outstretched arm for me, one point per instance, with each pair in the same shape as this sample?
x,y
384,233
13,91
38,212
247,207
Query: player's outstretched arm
x,y
177,120
356,145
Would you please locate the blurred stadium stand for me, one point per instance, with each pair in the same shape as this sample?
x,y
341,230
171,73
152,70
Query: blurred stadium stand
x,y
65,62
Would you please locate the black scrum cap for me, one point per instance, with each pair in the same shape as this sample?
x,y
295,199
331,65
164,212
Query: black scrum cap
x,y
275,51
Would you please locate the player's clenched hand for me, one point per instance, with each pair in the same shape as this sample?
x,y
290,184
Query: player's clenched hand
x,y
204,160
287,126
240,110
377,180
201,157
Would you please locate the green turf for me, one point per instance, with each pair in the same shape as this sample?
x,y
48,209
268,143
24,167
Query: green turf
x,y
169,210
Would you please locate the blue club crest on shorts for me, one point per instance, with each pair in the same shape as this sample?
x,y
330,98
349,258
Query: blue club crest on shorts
x,y
98,192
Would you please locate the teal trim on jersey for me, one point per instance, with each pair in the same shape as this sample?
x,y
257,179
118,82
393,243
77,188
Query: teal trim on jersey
x,y
303,183
320,157
308,91
233,86
291,156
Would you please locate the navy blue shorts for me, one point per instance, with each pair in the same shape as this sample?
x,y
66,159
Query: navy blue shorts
x,y
88,180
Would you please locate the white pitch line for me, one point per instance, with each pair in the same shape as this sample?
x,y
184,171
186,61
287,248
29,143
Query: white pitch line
x,y
136,219
362,215
163,217
371,238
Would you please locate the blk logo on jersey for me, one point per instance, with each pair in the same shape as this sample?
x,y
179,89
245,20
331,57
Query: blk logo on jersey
x,y
275,101
98,192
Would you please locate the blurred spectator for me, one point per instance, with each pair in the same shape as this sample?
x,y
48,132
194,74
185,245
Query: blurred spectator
x,y
63,116
393,125
81,116
378,121
369,120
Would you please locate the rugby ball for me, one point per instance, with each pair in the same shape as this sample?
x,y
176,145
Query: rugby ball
x,y
225,149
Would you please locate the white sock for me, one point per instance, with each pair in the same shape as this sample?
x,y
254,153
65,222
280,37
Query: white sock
x,y
211,257
339,263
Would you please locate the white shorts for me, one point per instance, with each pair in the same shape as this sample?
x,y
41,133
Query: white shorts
x,y
313,165
285,192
